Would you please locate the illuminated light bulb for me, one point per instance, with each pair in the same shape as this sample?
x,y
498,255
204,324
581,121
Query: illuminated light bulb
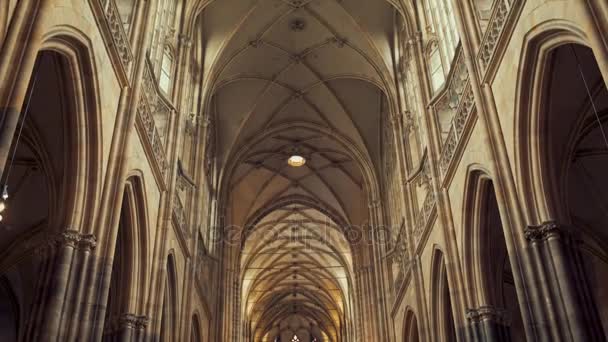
x,y
296,161
2,206
1,218
5,192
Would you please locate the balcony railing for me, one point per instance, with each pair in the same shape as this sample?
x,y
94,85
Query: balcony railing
x,y
424,215
114,34
152,109
498,19
179,216
161,107
152,139
457,126
496,37
453,106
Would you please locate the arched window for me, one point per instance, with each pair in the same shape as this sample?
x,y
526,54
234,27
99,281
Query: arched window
x,y
436,71
441,23
440,20
166,71
164,29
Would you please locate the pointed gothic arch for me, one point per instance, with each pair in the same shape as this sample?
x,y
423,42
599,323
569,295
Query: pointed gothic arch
x,y
410,327
561,164
487,265
128,279
196,334
169,323
441,302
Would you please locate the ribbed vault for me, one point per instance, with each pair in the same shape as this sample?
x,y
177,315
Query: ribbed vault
x,y
308,78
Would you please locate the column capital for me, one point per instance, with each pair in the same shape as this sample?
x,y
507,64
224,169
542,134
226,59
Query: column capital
x,y
142,322
75,239
488,313
543,231
69,238
127,321
87,242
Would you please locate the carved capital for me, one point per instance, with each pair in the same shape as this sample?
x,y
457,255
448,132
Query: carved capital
x,y
69,238
72,238
127,321
543,231
87,242
488,313
142,322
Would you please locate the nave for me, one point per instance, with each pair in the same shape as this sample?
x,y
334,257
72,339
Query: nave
x,y
303,170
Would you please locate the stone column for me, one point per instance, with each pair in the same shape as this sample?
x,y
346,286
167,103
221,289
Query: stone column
x,y
78,285
489,323
559,263
60,294
379,273
141,324
126,327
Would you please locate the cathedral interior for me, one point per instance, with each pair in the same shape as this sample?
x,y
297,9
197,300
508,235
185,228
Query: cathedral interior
x,y
303,170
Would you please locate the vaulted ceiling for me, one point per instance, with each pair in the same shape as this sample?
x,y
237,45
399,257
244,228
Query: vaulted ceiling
x,y
309,78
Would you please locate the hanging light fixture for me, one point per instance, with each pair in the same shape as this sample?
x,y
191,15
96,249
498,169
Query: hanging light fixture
x,y
296,157
296,160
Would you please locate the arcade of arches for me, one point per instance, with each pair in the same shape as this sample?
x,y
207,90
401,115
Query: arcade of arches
x,y
303,170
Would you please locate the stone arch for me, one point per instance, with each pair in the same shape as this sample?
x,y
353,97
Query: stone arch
x,y
54,178
562,163
196,334
76,49
128,277
538,194
169,311
66,170
471,239
442,316
410,327
487,265
139,237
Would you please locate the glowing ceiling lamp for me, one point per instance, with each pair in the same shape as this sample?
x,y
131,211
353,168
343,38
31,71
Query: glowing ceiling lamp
x,y
296,161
